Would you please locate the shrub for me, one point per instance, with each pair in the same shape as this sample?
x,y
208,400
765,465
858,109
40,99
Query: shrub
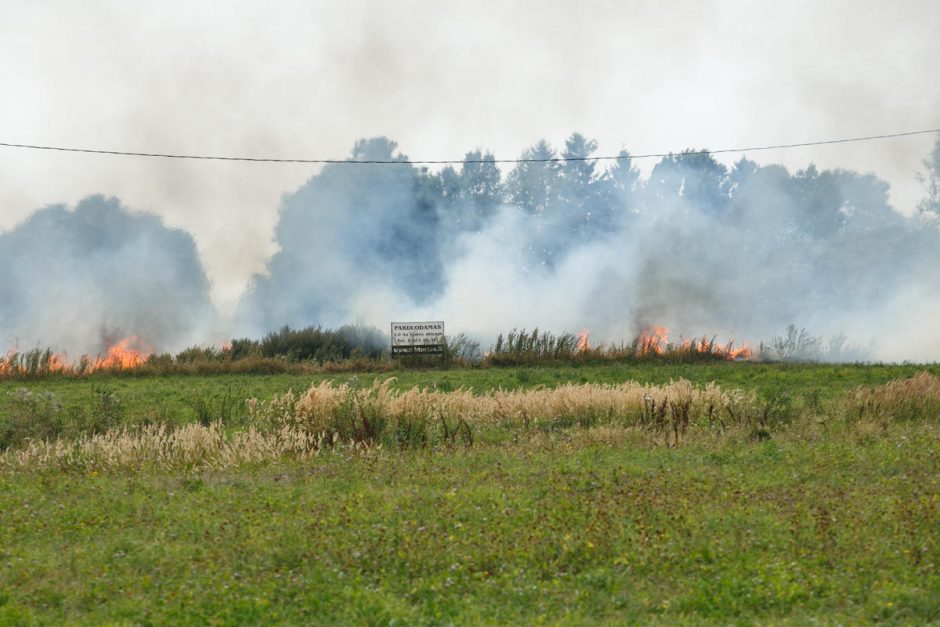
x,y
319,344
796,345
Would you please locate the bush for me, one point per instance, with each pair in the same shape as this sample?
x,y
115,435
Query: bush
x,y
321,345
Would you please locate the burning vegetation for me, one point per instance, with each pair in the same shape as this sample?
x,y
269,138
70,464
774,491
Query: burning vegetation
x,y
652,343
357,348
654,340
127,353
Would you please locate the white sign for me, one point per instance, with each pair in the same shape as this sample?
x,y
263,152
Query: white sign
x,y
417,337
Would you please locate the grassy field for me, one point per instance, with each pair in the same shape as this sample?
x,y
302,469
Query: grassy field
x,y
180,399
816,502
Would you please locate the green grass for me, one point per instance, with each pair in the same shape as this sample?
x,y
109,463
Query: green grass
x,y
824,521
180,399
844,532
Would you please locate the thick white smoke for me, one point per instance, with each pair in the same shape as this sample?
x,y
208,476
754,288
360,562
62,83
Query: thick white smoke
x,y
80,280
740,253
737,253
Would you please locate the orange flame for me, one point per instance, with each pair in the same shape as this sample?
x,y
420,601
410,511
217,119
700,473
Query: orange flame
x,y
583,337
653,339
128,353
58,363
744,352
38,361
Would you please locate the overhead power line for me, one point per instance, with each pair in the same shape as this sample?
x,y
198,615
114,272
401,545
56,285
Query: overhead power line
x,y
127,153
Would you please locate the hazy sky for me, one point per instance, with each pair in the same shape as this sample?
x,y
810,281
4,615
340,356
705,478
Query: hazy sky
x,y
306,79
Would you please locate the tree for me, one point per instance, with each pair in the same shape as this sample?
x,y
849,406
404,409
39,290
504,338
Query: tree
x,y
762,199
468,198
480,179
533,184
447,184
376,149
480,187
348,230
696,177
741,173
819,202
865,202
577,169
623,175
930,205
582,206
619,188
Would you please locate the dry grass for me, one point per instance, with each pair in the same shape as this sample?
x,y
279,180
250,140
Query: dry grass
x,y
348,417
903,399
161,447
43,364
328,415
322,406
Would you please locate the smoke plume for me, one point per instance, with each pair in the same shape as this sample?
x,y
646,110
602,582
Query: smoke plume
x,y
738,252
558,241
83,279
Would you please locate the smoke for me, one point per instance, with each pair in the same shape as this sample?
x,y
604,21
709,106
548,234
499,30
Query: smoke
x,y
81,280
738,252
350,240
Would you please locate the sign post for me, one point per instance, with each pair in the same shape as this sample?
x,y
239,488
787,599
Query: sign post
x,y
417,338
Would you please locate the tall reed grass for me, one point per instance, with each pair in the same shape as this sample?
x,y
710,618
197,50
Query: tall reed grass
x,y
916,398
327,415
349,417
520,347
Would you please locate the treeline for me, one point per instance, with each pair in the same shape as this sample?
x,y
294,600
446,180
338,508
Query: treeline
x,y
747,245
695,244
